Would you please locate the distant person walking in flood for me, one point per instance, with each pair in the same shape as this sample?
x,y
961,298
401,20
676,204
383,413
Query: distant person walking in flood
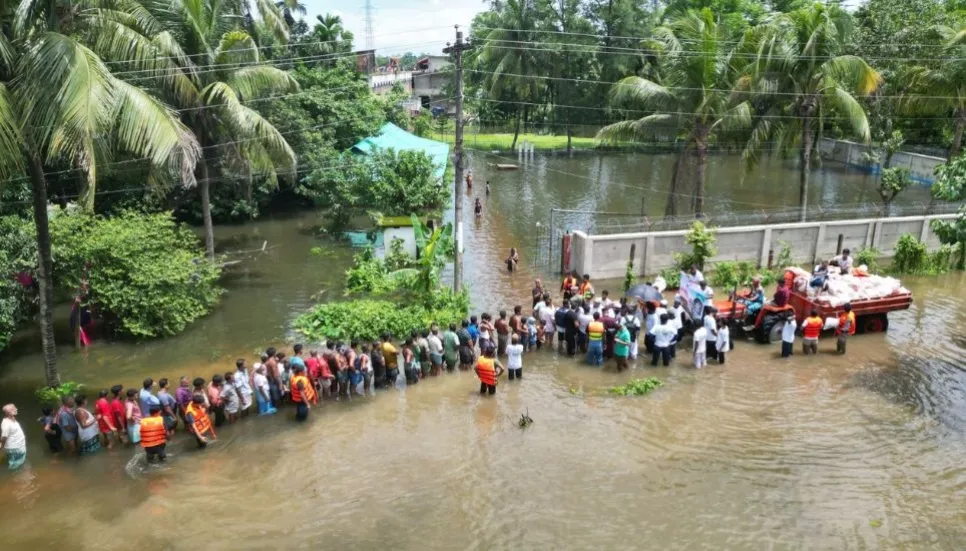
x,y
512,260
12,439
478,209
487,188
469,180
502,329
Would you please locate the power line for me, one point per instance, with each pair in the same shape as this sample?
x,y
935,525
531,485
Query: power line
x,y
695,89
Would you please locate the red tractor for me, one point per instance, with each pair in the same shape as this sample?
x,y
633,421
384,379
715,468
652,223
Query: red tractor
x,y
870,314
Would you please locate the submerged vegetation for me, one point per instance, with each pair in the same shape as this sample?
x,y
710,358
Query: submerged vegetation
x,y
637,387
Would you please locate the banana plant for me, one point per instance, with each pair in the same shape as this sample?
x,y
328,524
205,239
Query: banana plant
x,y
434,248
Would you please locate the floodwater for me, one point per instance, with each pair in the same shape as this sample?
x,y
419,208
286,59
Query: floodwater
x,y
863,451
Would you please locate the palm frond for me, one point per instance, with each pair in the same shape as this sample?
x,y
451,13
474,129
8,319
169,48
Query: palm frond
x,y
854,72
852,111
642,129
11,156
260,81
642,93
273,19
147,128
236,47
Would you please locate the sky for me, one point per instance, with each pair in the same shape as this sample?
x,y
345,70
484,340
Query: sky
x,y
419,26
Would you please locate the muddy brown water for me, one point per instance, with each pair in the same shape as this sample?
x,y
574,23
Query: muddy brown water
x,y
862,451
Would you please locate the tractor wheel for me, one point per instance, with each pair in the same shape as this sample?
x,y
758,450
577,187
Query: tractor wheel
x,y
873,323
770,329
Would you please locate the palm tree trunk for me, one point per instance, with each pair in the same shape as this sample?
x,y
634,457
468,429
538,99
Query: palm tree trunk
x,y
516,131
671,206
203,190
806,167
701,158
44,270
958,133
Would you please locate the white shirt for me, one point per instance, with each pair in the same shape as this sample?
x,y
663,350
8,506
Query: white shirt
x,y
435,345
788,331
723,342
676,317
700,335
708,291
711,326
546,315
583,320
10,429
241,382
514,353
688,280
596,308
663,335
631,321
845,263
261,383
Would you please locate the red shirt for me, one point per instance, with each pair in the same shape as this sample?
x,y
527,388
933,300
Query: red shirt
x,y
103,409
117,413
313,367
325,371
781,296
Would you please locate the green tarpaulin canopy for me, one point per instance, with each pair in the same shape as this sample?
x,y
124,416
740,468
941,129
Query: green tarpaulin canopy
x,y
391,136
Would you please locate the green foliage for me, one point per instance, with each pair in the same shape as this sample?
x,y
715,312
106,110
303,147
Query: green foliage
x,y
423,124
672,276
17,254
868,257
702,240
368,275
144,271
394,184
729,275
784,258
628,276
366,319
892,182
51,395
637,387
911,257
398,271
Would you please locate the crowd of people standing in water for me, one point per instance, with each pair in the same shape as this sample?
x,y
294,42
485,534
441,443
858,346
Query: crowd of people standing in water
x,y
584,323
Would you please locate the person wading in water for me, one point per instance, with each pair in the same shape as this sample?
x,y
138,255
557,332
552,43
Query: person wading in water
x,y
488,369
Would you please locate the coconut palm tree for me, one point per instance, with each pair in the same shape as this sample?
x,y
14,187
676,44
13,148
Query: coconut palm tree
x,y
289,9
691,95
510,59
211,67
61,104
800,78
941,91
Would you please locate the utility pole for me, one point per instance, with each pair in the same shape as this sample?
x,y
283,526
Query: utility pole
x,y
457,50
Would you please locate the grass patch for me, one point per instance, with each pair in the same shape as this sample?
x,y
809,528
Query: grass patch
x,y
501,142
637,387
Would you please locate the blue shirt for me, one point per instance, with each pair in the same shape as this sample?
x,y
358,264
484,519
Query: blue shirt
x,y
296,360
474,332
147,400
167,401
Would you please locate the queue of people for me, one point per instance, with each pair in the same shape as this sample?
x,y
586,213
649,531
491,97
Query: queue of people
x,y
597,328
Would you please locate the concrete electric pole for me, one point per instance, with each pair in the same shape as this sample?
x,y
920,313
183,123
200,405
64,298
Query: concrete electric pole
x,y
457,50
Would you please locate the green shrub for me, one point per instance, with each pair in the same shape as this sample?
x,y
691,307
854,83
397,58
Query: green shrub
x,y
637,387
143,270
870,258
702,240
672,276
784,259
729,275
911,256
17,254
367,319
51,395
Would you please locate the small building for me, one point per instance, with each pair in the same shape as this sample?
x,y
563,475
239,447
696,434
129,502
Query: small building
x,y
430,76
382,83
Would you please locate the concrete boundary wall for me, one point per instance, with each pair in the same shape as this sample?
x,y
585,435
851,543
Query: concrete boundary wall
x,y
605,256
922,168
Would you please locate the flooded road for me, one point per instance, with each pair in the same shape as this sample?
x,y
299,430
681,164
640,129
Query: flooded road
x,y
822,452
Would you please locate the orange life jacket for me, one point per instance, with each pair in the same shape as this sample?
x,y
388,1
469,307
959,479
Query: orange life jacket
x,y
569,283
845,317
201,422
812,327
585,289
153,432
595,331
486,371
308,389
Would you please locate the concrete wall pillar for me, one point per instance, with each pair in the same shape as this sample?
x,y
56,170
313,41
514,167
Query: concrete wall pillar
x,y
818,242
588,256
877,234
765,246
925,228
646,267
869,235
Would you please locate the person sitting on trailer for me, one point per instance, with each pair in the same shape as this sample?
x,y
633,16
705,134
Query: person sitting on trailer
x,y
754,299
